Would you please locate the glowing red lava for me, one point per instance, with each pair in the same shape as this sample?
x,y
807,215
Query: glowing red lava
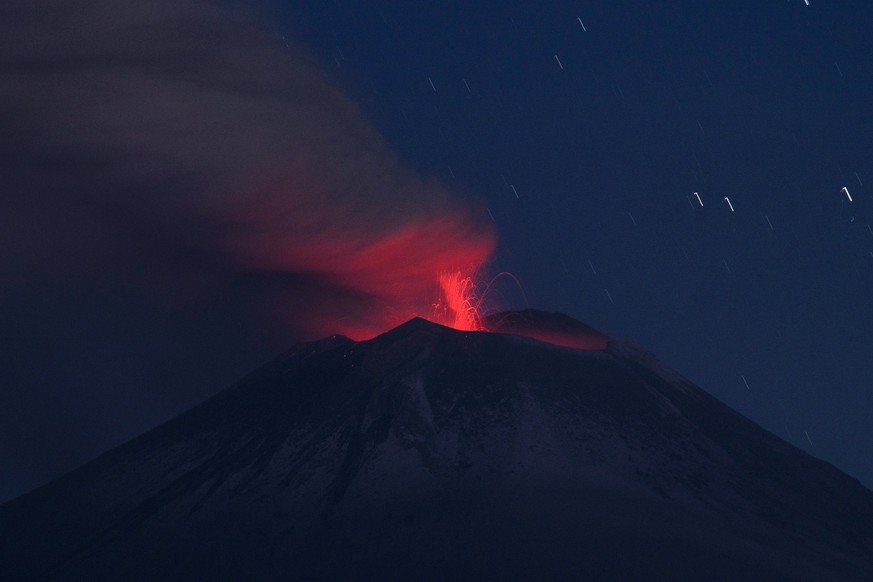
x,y
359,266
458,305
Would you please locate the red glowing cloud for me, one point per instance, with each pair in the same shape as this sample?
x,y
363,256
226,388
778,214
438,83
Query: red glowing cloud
x,y
192,130
381,257
459,304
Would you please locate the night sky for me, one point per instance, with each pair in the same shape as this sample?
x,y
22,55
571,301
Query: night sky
x,y
176,179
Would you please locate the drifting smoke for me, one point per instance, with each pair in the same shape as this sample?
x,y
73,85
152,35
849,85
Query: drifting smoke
x,y
172,125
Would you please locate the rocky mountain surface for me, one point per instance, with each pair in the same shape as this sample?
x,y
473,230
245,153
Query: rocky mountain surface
x,y
428,453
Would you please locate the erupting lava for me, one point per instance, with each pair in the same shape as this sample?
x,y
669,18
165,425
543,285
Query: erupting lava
x,y
458,305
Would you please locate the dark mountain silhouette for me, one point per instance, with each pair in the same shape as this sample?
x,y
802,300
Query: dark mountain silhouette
x,y
434,454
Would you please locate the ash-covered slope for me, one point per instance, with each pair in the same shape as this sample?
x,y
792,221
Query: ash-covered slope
x,y
431,454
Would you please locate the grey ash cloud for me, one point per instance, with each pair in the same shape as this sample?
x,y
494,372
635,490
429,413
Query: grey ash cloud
x,y
182,194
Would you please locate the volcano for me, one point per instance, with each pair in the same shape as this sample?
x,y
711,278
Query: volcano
x,y
428,453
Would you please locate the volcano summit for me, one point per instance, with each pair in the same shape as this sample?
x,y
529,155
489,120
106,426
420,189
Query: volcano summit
x,y
429,453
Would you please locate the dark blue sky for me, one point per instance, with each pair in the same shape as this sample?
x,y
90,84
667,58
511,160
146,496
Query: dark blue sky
x,y
585,141
766,103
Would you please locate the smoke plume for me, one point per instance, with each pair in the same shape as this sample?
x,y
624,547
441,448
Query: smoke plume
x,y
176,149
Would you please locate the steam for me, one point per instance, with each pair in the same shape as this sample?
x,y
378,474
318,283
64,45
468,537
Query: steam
x,y
134,131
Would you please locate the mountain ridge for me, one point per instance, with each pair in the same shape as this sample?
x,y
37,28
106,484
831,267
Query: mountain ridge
x,y
430,452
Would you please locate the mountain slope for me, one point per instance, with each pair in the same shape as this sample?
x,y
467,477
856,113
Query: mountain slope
x,y
429,453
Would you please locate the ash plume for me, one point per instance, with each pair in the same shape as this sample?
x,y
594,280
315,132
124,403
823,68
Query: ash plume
x,y
174,147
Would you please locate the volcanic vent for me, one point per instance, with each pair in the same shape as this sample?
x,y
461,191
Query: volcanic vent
x,y
554,328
